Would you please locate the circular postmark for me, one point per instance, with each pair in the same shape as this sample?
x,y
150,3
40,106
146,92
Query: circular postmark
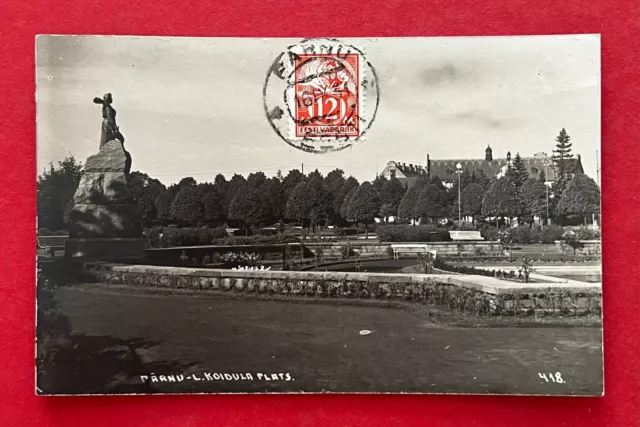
x,y
321,95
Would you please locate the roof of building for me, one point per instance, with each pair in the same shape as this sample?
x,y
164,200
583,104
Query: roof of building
x,y
445,168
405,173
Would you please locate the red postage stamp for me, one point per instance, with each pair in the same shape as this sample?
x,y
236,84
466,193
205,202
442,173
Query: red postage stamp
x,y
327,95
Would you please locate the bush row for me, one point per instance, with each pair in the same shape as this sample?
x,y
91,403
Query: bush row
x,y
440,264
412,233
520,235
164,237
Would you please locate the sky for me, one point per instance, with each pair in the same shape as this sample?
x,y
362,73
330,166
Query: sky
x,y
194,106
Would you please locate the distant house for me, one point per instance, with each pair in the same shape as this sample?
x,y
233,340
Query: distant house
x,y
492,168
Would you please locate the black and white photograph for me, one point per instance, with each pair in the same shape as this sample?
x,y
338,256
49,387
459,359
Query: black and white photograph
x,y
320,215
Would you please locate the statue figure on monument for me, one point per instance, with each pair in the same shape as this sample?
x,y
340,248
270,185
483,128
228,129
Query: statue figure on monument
x,y
105,221
110,130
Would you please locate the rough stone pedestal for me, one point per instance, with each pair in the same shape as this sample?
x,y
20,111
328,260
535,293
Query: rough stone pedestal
x,y
105,222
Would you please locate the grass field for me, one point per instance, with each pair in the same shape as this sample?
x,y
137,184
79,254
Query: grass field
x,y
318,345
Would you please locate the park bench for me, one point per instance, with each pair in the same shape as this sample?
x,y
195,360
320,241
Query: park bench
x,y
457,236
410,248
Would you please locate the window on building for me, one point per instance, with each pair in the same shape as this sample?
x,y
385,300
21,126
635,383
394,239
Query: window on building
x,y
534,170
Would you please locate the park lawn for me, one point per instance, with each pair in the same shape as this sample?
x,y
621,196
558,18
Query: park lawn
x,y
321,348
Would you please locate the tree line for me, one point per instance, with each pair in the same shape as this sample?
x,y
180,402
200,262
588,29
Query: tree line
x,y
335,199
312,200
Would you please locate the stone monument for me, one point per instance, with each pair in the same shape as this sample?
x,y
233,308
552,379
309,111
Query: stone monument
x,y
105,222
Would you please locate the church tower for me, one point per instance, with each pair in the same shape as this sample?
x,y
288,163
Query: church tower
x,y
488,154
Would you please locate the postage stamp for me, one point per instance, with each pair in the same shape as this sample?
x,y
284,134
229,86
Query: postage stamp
x,y
321,95
326,90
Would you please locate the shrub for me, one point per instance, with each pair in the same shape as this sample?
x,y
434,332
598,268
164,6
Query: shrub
x,y
584,233
267,232
489,232
571,240
152,236
260,240
178,237
219,233
371,227
347,252
411,233
237,259
280,238
343,232
244,232
523,234
441,264
204,236
465,226
550,233
159,237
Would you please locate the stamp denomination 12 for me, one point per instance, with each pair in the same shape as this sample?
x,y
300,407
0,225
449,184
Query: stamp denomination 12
x,y
321,95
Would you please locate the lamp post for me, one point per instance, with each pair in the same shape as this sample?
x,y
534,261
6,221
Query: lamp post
x,y
459,172
547,183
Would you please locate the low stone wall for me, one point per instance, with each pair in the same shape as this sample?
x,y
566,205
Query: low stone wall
x,y
475,294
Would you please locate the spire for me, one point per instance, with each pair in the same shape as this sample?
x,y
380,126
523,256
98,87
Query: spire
x,y
488,154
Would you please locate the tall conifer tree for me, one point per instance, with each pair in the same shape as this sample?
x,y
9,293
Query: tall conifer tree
x,y
561,154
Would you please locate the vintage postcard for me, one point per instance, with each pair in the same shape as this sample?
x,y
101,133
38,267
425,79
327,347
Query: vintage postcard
x,y
368,215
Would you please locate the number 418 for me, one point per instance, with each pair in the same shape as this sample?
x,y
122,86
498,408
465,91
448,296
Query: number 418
x,y
555,378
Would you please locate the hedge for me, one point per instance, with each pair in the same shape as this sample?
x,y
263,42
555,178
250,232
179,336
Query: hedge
x,y
440,264
412,233
164,237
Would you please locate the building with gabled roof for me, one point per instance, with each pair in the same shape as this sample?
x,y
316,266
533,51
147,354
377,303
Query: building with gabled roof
x,y
492,168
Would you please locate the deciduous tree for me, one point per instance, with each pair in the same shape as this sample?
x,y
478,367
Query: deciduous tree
x,y
365,205
56,187
581,197
273,199
502,199
301,202
212,203
406,207
187,182
335,180
236,182
247,206
471,200
338,201
345,209
534,195
256,179
391,194
163,206
289,182
432,203
187,206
